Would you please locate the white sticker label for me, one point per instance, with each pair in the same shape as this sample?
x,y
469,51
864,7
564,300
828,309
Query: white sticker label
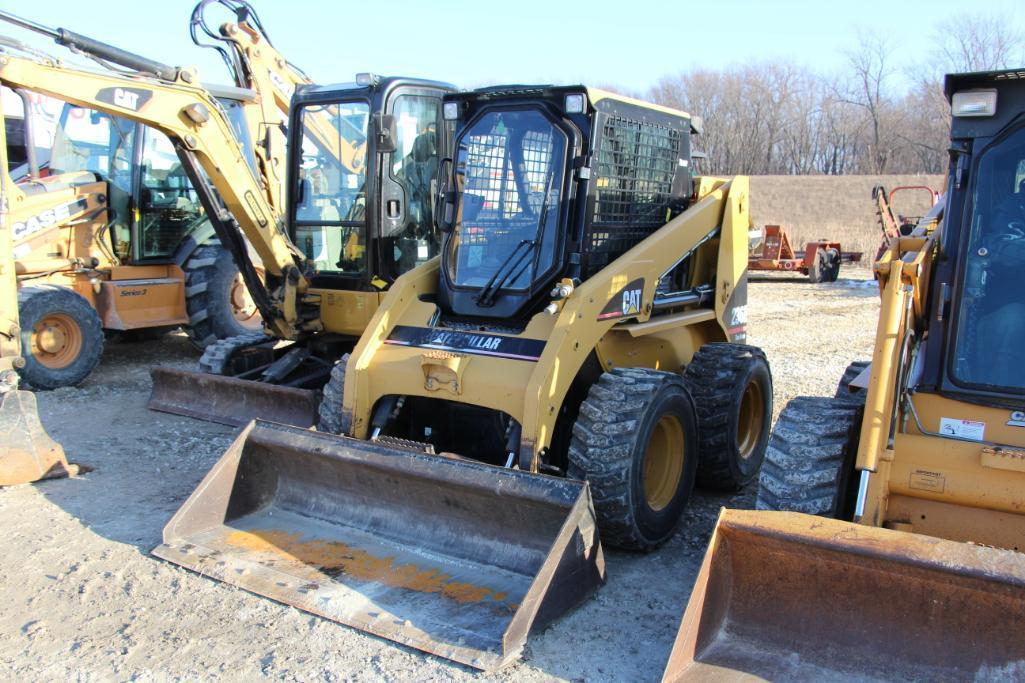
x,y
965,429
1017,419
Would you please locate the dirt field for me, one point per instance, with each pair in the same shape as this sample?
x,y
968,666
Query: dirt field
x,y
83,599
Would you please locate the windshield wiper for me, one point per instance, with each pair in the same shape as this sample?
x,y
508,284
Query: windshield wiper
x,y
486,294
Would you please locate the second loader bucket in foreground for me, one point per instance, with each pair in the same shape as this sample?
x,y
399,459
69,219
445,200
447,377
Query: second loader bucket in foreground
x,y
453,557
230,401
787,596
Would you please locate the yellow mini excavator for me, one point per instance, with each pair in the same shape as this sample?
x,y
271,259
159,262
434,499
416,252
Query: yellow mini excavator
x,y
912,567
571,363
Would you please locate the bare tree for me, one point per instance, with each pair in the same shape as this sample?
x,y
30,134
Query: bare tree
x,y
973,42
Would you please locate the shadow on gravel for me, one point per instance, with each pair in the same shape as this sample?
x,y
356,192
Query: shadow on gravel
x,y
144,464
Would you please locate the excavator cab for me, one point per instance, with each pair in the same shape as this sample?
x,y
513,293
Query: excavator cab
x,y
361,183
919,573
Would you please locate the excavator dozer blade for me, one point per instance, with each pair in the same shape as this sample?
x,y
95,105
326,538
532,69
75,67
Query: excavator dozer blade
x,y
228,400
788,596
453,557
27,453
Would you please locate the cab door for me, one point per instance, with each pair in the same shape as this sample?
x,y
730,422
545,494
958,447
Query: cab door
x,y
409,174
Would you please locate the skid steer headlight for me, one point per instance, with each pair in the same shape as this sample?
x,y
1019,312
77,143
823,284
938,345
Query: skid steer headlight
x,y
974,103
450,110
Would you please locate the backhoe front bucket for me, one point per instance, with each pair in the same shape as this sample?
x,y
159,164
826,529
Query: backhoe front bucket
x,y
787,596
228,400
27,453
453,557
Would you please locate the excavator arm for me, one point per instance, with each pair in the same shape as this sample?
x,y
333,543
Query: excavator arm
x,y
256,64
195,123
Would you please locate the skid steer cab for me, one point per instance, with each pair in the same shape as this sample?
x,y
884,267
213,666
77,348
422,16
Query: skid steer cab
x,y
918,459
362,177
568,368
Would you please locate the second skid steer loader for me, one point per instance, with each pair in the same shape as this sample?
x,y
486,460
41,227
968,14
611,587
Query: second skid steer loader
x,y
919,573
585,322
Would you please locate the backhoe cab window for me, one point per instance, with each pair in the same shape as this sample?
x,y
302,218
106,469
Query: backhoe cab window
x,y
991,324
86,140
169,206
330,213
509,169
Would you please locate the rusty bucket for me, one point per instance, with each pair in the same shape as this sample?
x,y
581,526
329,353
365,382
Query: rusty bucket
x,y
453,557
787,596
27,453
228,400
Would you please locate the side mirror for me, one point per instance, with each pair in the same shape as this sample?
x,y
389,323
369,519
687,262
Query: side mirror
x,y
445,207
386,133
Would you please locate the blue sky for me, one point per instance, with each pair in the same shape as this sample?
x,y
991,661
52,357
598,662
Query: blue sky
x,y
630,43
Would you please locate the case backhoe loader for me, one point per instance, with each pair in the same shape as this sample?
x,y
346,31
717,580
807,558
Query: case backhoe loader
x,y
913,567
145,254
581,334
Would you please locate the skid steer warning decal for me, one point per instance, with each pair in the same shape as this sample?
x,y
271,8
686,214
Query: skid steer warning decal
x,y
625,303
467,342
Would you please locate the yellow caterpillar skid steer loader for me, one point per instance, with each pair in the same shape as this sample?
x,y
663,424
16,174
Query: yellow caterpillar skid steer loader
x,y
584,323
27,453
912,568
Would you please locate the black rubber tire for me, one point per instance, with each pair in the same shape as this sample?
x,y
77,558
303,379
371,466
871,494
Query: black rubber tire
x,y
37,302
819,270
810,461
214,360
843,388
329,412
832,265
610,437
210,275
718,377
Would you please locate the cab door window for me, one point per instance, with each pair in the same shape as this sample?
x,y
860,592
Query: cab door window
x,y
412,239
169,207
330,206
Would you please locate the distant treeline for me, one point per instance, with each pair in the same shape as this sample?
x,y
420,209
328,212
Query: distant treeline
x,y
778,118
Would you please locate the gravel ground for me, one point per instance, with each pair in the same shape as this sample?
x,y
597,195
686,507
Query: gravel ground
x,y
82,598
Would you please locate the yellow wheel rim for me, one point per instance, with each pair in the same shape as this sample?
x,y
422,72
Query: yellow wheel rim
x,y
663,462
56,341
242,306
752,420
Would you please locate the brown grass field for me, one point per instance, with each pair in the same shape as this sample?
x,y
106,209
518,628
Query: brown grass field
x,y
834,207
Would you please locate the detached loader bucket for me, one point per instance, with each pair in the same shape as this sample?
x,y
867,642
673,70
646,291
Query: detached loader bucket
x,y
787,596
230,401
453,557
27,453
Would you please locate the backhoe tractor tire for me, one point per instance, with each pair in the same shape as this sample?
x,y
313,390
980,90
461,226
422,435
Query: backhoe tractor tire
x,y
216,299
818,270
635,442
61,336
216,357
732,389
330,410
810,462
844,390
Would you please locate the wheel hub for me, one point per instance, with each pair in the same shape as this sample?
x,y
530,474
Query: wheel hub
x,y
663,462
752,419
56,341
